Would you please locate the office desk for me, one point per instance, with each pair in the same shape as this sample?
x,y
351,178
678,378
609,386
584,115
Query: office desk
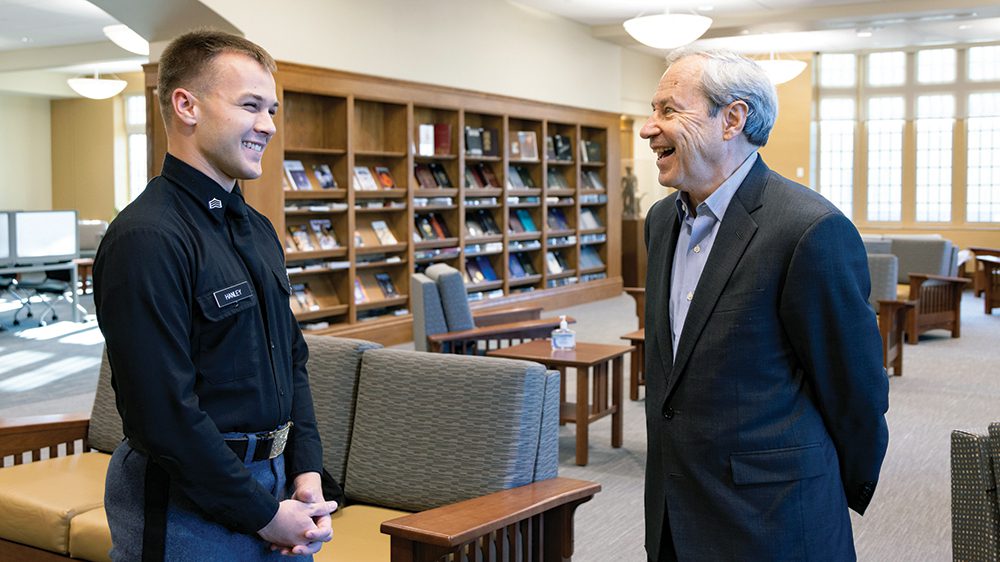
x,y
70,266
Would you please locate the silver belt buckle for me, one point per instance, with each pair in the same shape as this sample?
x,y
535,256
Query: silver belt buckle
x,y
280,439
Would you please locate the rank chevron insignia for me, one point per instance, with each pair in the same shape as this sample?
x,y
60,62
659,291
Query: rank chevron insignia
x,y
215,204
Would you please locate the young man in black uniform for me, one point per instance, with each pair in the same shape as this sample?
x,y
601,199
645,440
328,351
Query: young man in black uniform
x,y
208,363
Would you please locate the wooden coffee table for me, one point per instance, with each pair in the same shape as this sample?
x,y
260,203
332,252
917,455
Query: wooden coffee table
x,y
587,358
638,362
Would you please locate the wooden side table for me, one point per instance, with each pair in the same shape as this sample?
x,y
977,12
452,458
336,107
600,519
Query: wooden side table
x,y
84,269
638,362
587,358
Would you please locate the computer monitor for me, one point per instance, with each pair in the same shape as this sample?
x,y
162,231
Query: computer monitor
x,y
44,236
6,240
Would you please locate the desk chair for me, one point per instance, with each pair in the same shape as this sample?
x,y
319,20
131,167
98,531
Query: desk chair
x,y
49,287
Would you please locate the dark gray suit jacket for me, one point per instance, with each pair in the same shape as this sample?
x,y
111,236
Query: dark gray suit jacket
x,y
770,422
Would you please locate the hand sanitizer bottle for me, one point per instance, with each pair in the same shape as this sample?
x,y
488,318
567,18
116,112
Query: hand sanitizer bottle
x,y
563,337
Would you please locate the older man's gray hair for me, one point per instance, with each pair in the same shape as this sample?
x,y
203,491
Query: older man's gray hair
x,y
727,77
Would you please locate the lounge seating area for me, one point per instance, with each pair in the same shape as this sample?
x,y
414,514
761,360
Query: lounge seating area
x,y
423,479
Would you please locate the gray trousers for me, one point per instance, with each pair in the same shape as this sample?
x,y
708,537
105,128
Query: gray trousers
x,y
189,534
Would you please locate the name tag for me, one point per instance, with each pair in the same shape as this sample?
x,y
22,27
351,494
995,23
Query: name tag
x,y
234,294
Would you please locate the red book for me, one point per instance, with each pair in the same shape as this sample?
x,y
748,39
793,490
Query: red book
x,y
438,227
442,139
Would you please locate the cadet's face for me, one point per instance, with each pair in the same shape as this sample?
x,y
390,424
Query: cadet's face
x,y
236,117
685,139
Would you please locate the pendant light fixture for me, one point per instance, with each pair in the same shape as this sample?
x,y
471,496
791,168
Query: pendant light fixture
x,y
666,30
97,88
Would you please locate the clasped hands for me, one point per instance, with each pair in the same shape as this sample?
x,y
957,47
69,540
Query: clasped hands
x,y
302,523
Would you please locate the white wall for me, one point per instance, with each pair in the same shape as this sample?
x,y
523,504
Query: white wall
x,y
25,153
485,45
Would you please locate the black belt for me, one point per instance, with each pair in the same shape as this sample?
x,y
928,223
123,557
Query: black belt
x,y
269,444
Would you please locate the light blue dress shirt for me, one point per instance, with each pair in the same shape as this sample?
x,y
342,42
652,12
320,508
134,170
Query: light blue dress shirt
x,y
695,243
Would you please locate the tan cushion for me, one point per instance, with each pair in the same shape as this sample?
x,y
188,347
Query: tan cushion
x,y
90,537
356,535
903,292
38,500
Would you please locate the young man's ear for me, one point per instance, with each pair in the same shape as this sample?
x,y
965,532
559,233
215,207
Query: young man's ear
x,y
734,118
184,104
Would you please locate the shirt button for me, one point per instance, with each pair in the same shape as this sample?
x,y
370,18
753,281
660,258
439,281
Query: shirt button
x,y
690,295
272,345
697,249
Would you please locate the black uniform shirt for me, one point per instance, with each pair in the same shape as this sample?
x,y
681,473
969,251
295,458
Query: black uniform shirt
x,y
190,354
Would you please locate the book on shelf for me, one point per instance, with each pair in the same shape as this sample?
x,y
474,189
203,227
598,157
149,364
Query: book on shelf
x,y
302,298
514,148
521,173
564,148
526,264
514,224
384,235
425,139
360,294
424,176
440,228
386,285
590,151
593,179
364,180
472,226
550,148
529,145
488,176
556,219
425,228
515,266
589,257
440,174
442,139
384,177
324,176
525,217
485,217
491,141
486,268
588,220
295,172
323,229
290,245
300,234
557,179
514,178
472,269
473,141
473,178
552,264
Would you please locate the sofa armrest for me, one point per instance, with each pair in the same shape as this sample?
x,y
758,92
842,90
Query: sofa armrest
x,y
490,317
472,523
34,433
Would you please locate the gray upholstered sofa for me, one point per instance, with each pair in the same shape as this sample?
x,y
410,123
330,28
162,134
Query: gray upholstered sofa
x,y
444,454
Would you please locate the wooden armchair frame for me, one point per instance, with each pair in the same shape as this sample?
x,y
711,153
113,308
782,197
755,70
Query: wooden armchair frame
x,y
891,325
990,280
979,275
495,329
528,523
639,294
938,304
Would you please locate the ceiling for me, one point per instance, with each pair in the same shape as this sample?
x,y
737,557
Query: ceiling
x,y
63,37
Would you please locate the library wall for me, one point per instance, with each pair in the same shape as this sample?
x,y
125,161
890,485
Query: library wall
x,y
25,161
787,150
488,45
83,157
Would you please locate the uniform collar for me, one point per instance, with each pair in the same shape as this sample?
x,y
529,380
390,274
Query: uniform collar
x,y
205,192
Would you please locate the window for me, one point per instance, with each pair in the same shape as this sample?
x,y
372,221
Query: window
x,y
936,66
984,63
836,161
135,127
983,195
935,122
885,158
887,69
837,70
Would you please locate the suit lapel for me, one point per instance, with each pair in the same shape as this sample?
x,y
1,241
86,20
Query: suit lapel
x,y
735,233
666,347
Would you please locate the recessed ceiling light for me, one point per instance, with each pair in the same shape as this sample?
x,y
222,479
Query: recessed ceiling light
x,y
26,39
864,33
964,26
705,8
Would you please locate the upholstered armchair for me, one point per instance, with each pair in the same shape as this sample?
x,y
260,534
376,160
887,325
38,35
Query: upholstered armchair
x,y
975,513
884,271
444,322
927,276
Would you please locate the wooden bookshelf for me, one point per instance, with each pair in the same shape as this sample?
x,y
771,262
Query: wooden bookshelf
x,y
340,121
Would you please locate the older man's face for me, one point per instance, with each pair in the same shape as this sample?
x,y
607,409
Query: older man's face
x,y
686,140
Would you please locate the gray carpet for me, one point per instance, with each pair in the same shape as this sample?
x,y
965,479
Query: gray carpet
x,y
948,384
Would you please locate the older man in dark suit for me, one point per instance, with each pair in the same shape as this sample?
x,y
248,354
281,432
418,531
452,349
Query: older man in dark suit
x,y
766,392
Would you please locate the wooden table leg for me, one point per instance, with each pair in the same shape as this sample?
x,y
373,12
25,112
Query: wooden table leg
x,y
616,402
582,415
633,383
562,389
